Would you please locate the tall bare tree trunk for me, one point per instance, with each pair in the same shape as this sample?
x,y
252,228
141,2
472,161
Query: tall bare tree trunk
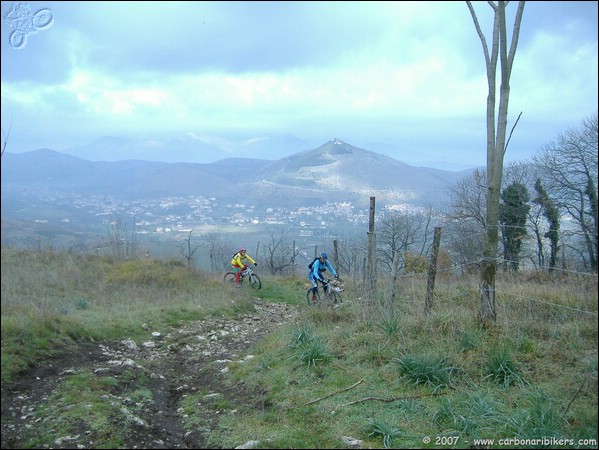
x,y
496,144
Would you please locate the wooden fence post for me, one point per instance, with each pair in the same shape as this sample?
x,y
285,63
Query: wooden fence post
x,y
432,271
372,252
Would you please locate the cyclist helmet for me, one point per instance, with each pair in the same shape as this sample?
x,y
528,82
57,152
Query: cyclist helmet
x,y
323,255
242,250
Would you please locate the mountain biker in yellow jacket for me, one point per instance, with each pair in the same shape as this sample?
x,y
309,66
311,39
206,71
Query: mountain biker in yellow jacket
x,y
238,263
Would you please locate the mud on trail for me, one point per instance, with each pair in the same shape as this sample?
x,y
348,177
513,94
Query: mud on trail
x,y
186,361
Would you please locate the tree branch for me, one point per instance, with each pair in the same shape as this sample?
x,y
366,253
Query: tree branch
x,y
576,394
333,393
5,136
386,400
510,136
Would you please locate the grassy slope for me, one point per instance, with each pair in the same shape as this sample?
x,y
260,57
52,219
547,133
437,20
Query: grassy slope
x,y
378,371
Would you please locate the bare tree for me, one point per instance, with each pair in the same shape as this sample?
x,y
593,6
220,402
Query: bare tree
x,y
279,253
188,249
496,142
404,232
568,170
465,222
468,198
121,245
218,249
352,249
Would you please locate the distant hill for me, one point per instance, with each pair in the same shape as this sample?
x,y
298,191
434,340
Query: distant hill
x,y
334,171
191,148
51,170
339,171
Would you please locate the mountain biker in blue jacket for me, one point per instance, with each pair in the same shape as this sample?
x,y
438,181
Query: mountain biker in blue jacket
x,y
317,273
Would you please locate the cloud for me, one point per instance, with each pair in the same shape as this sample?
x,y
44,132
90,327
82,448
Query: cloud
x,y
406,72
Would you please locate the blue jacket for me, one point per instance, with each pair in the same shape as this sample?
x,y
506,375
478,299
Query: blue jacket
x,y
318,268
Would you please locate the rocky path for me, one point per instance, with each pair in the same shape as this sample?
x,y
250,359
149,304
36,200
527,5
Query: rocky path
x,y
186,361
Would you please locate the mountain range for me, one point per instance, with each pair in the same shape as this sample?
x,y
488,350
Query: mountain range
x,y
335,171
190,147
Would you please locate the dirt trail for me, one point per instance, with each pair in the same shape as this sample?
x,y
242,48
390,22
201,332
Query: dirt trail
x,y
182,362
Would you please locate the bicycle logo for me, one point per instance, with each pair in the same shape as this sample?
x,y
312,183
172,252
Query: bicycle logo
x,y
24,22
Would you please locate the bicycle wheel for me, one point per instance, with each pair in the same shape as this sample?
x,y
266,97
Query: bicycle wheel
x,y
335,297
229,278
255,282
309,297
42,19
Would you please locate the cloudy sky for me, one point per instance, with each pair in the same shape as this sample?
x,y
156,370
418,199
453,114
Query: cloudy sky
x,y
406,79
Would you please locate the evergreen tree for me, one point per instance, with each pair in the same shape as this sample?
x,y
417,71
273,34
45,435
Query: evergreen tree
x,y
513,212
551,213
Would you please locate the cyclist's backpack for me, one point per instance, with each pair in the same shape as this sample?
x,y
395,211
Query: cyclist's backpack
x,y
311,265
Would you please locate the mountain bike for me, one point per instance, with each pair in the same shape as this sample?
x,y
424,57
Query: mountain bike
x,y
330,296
253,279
